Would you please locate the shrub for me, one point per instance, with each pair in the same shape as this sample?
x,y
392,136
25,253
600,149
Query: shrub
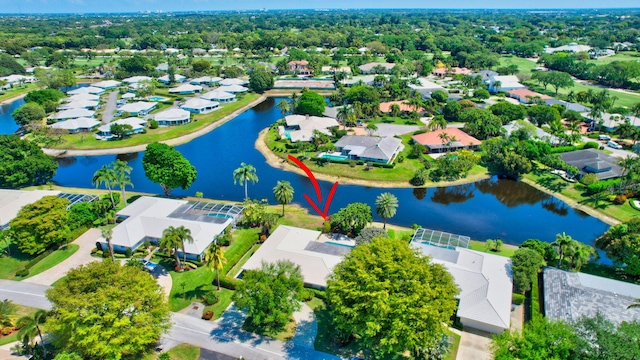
x,y
591,145
419,178
105,254
164,356
99,253
22,273
94,250
210,298
207,315
400,158
319,294
326,227
620,199
153,124
228,282
517,299
128,253
190,265
306,294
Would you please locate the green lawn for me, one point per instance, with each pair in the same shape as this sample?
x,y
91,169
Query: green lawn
x,y
621,56
184,352
88,141
506,250
9,264
16,91
53,259
624,99
224,296
524,66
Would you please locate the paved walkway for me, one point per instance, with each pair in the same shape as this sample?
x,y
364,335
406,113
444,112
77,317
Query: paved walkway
x,y
86,241
164,279
110,107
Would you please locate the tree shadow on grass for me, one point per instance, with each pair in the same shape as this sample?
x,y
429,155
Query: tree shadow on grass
x,y
552,183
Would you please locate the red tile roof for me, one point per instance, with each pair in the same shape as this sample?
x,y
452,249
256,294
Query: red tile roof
x,y
433,137
385,107
524,94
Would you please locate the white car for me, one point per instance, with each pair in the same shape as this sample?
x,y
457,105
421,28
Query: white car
x,y
613,144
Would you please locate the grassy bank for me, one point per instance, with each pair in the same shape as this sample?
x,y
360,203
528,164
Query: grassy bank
x,y
88,141
18,91
54,259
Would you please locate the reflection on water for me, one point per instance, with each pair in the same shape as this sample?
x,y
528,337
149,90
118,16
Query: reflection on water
x,y
67,161
511,193
453,194
419,193
556,206
127,157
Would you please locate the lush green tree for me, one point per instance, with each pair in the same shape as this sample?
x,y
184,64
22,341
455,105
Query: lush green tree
x,y
455,165
121,131
166,166
480,123
352,218
500,157
67,356
481,94
541,247
395,110
244,174
284,107
28,112
508,112
215,260
233,72
199,66
603,340
23,163
386,207
31,328
41,225
43,96
384,290
369,233
564,243
451,110
106,175
103,310
560,80
525,264
542,114
283,192
9,66
136,65
171,242
622,245
363,94
270,295
310,103
440,96
420,177
260,80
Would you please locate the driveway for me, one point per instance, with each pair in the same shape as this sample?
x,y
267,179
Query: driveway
x,y
86,241
474,345
110,107
615,152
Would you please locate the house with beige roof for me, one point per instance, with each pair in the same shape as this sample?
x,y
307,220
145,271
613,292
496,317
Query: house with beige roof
x,y
458,139
302,127
376,67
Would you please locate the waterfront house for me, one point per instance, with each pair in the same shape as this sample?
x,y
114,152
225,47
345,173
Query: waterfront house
x,y
219,96
138,108
200,106
299,67
171,117
80,104
302,127
82,97
177,78
369,148
593,161
233,88
186,89
86,90
107,84
72,114
76,125
233,81
436,142
137,126
376,68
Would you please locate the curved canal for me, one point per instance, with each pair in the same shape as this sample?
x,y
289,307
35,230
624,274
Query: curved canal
x,y
488,209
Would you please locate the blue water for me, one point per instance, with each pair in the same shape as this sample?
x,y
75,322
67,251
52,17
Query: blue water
x,y
488,209
333,157
157,98
338,244
7,124
222,216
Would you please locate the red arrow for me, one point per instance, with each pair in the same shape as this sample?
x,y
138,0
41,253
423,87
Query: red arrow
x,y
316,186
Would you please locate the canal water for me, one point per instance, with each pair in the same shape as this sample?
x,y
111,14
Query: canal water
x,y
488,209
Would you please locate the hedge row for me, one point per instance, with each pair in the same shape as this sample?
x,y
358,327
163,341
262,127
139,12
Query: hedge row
x,y
563,149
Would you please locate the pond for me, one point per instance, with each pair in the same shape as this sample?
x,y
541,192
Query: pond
x,y
488,209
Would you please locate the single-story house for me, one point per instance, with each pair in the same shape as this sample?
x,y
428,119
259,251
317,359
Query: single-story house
x,y
137,125
335,70
171,117
301,127
485,75
186,89
385,107
219,96
593,161
11,201
233,81
80,104
536,131
459,140
484,281
86,90
369,148
443,71
138,108
572,47
128,96
17,79
177,78
107,84
76,125
146,218
200,106
527,96
72,114
504,83
299,67
610,122
356,80
233,88
302,247
136,79
82,97
571,295
205,80
164,67
374,67
568,105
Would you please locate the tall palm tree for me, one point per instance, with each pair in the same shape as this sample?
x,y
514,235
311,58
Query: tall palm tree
x,y
107,234
293,102
628,164
563,242
30,328
581,255
122,171
107,176
343,114
244,174
283,192
438,122
171,242
386,206
395,110
214,259
184,235
284,107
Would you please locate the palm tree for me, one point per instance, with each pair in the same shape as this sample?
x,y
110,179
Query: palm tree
x,y
107,176
386,206
284,107
122,171
283,192
581,255
171,242
214,259
244,174
293,102
628,164
563,243
395,110
30,328
184,235
343,114
371,128
497,85
438,122
107,234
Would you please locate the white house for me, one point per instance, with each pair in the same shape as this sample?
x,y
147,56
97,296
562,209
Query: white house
x,y
107,84
484,281
86,90
186,89
205,80
17,79
146,218
137,125
233,81
82,97
11,201
138,107
176,78
302,247
72,114
572,47
171,117
219,96
233,88
80,104
76,125
136,79
369,148
504,83
301,127
200,106
128,96
370,67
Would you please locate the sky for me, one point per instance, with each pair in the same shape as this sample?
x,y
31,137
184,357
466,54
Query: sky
x,y
101,6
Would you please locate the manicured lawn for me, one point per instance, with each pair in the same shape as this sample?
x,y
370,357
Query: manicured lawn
x,y
16,91
185,352
88,141
59,281
224,296
524,66
621,56
9,264
20,312
624,99
54,259
506,249
453,351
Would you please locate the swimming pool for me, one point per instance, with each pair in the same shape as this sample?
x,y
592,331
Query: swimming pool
x,y
157,98
222,216
333,157
338,244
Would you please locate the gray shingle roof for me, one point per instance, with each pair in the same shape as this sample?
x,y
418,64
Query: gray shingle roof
x,y
589,160
369,146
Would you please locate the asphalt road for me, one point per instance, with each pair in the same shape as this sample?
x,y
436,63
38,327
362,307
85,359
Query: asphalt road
x,y
109,107
25,294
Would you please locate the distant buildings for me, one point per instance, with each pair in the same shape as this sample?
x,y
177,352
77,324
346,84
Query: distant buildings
x,y
376,68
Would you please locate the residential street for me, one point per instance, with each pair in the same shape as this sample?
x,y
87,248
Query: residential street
x,y
223,335
109,107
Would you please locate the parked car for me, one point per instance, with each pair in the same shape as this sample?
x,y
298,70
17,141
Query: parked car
x,y
604,137
613,144
148,265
